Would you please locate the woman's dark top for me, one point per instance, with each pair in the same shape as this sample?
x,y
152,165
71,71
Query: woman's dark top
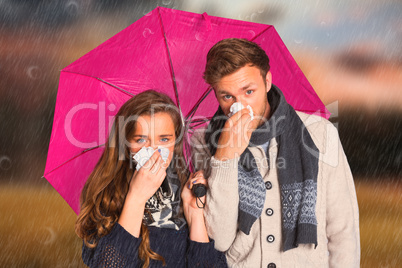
x,y
120,249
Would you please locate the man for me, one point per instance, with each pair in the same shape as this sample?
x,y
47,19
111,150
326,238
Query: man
x,y
281,193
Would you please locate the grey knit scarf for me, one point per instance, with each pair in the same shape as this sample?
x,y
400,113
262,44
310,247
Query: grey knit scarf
x,y
297,178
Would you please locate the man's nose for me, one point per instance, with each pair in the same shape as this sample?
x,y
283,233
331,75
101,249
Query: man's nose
x,y
242,101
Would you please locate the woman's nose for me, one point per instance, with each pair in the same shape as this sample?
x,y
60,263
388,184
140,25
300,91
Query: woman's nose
x,y
153,145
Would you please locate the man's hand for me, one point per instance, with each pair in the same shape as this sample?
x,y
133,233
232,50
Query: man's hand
x,y
235,136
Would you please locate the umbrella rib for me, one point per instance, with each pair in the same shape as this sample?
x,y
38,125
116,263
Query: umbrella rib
x,y
255,37
129,93
200,120
171,67
72,158
198,123
103,81
194,109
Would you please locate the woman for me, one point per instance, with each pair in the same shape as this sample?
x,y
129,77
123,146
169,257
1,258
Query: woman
x,y
134,218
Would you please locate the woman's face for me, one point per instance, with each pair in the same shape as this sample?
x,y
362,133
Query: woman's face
x,y
153,131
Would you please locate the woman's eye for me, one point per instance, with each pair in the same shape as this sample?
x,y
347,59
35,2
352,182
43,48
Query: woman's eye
x,y
248,92
140,140
164,140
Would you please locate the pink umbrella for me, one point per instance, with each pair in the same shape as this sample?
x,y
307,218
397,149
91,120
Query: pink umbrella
x,y
164,50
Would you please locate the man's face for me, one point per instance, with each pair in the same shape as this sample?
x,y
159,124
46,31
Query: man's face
x,y
246,86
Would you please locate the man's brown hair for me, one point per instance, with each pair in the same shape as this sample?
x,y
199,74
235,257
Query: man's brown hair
x,y
229,55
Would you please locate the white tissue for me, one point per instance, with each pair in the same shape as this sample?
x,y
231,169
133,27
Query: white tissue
x,y
237,106
143,155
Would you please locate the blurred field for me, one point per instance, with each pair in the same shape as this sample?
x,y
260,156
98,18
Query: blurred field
x,y
380,222
37,229
37,226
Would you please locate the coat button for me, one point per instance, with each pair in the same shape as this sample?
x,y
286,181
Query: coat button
x,y
269,211
270,238
268,185
271,265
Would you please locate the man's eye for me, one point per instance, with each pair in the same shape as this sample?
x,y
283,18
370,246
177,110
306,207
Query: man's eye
x,y
249,92
227,97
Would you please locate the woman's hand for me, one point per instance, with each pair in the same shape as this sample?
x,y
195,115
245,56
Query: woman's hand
x,y
194,214
144,183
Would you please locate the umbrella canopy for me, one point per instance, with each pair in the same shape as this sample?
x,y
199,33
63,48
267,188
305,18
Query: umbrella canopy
x,y
165,50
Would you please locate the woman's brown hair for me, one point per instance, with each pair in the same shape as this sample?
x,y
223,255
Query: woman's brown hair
x,y
104,193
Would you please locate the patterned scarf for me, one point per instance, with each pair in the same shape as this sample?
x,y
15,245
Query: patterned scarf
x,y
163,208
297,178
